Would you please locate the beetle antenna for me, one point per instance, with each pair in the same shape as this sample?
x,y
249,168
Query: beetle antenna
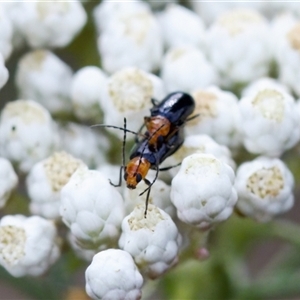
x,y
116,127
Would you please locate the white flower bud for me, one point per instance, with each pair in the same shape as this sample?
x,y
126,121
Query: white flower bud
x,y
153,242
131,38
86,89
238,44
8,180
203,191
159,196
286,48
3,72
6,31
200,143
186,68
265,188
219,116
45,78
174,33
92,209
128,94
270,123
113,275
27,245
50,24
45,181
84,143
27,133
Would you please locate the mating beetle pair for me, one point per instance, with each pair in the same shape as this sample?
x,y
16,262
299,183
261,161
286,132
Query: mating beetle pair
x,y
164,135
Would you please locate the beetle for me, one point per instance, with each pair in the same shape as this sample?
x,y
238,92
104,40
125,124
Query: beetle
x,y
164,135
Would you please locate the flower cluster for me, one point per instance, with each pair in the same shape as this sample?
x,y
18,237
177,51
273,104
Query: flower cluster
x,y
222,54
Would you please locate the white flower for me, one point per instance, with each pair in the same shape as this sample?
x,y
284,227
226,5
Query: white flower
x,y
265,188
86,89
203,191
128,94
45,78
50,24
159,196
8,180
153,242
85,143
287,51
270,123
6,31
27,133
92,209
175,33
45,181
3,72
219,116
113,275
28,246
238,46
130,38
198,143
186,68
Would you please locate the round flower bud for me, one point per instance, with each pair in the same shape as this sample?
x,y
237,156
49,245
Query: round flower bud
x,y
265,188
86,89
128,94
186,68
45,181
27,133
153,241
131,39
8,180
194,192
84,143
238,44
92,209
50,24
113,275
28,246
174,33
3,72
200,143
219,116
43,77
6,31
269,123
